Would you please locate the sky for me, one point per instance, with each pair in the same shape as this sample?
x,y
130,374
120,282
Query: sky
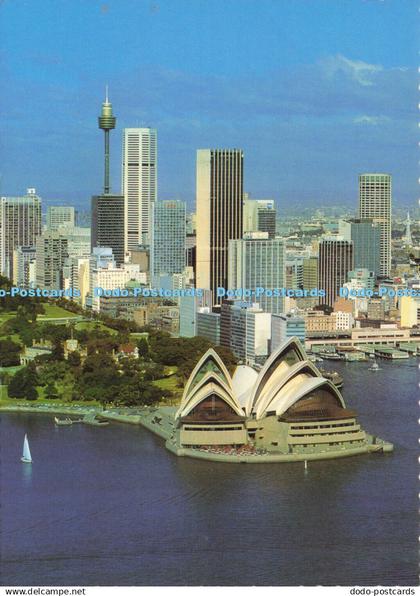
x,y
314,92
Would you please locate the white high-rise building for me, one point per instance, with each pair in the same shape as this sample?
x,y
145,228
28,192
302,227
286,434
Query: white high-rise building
x,y
139,183
256,261
375,196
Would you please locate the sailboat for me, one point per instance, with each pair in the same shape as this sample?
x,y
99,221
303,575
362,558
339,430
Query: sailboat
x,y
374,367
26,455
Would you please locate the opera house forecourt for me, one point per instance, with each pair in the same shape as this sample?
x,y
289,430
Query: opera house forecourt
x,y
285,412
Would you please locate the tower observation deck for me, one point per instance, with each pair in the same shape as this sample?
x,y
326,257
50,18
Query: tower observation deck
x,y
106,122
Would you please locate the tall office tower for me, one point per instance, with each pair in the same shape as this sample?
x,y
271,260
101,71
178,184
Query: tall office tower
x,y
20,225
107,209
51,254
335,260
366,237
54,248
139,183
108,224
167,238
258,262
219,214
375,196
259,215
58,217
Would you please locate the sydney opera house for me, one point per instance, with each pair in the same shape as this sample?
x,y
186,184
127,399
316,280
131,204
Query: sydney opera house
x,y
287,411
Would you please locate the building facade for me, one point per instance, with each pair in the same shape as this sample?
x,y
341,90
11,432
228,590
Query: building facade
x,y
108,224
24,267
59,216
259,215
246,330
219,214
258,262
366,237
375,197
139,183
335,260
51,255
168,238
285,326
208,325
20,225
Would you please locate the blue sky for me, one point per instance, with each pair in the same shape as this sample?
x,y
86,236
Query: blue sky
x,y
313,91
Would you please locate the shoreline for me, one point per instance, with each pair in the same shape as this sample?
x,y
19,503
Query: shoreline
x,y
160,421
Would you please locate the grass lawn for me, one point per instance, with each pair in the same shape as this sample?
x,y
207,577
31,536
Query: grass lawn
x,y
90,325
52,311
11,370
139,335
6,315
170,383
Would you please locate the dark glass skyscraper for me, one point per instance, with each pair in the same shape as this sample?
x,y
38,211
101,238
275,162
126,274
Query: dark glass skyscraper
x,y
219,213
334,262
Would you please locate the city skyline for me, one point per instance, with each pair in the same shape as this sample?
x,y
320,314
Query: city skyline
x,y
309,118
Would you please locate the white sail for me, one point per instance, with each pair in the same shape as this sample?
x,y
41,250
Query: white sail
x,y
26,455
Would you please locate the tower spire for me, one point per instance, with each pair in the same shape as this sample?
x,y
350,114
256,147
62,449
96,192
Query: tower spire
x,y
106,122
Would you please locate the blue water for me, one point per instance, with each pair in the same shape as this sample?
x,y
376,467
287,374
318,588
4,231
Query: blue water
x,y
110,506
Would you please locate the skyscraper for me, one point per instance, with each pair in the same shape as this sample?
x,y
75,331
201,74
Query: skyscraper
x,y
258,262
375,195
54,248
139,183
20,225
219,213
51,255
108,224
107,209
334,262
366,237
168,238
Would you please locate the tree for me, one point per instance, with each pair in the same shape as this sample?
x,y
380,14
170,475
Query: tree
x,y
51,391
23,384
143,348
74,359
9,352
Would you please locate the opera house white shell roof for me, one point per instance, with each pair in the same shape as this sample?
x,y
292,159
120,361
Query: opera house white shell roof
x,y
286,377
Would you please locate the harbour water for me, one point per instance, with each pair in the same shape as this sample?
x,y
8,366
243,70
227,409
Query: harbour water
x,y
111,506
